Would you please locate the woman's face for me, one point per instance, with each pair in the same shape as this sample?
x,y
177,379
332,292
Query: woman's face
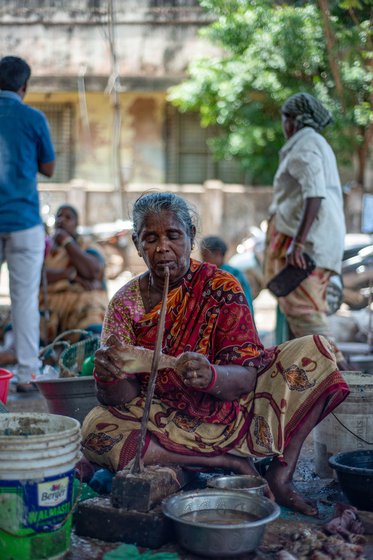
x,y
163,242
288,125
66,219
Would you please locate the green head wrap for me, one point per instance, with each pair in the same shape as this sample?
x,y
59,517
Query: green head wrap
x,y
307,111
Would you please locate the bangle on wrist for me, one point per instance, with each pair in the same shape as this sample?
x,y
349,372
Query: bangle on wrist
x,y
213,380
66,241
298,244
111,382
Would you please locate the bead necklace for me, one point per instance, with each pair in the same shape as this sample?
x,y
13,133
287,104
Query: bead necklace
x,y
149,285
149,297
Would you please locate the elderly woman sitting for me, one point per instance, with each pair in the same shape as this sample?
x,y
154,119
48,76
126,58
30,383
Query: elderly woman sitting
x,y
76,292
225,399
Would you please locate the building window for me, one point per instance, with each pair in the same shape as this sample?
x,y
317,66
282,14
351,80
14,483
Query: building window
x,y
188,156
60,118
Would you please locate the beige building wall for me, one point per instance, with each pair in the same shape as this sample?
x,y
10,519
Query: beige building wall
x,y
67,46
142,149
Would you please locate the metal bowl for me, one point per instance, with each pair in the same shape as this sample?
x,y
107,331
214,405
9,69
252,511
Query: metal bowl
x,y
219,523
69,396
243,482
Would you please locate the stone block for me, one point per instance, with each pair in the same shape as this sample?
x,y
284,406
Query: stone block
x,y
97,518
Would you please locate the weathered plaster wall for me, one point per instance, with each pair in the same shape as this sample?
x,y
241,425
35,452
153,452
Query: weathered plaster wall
x,y
143,50
141,135
142,130
150,43
69,51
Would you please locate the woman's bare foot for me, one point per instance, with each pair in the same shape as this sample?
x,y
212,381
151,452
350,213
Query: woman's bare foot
x,y
286,495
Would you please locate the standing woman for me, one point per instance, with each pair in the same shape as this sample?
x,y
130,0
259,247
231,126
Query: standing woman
x,y
307,215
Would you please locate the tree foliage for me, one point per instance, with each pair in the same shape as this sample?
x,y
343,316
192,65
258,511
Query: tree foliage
x,y
270,50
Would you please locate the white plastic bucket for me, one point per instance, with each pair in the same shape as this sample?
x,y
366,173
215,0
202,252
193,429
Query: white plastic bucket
x,y
349,427
38,453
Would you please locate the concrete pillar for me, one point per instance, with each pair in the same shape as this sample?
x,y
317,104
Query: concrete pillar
x,y
212,210
76,196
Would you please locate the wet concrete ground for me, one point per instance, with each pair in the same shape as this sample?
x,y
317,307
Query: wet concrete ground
x,y
277,535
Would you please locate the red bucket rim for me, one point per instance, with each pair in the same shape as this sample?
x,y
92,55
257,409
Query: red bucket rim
x,y
5,374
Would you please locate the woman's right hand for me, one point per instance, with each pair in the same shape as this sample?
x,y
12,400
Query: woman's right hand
x,y
111,366
115,360
108,366
60,235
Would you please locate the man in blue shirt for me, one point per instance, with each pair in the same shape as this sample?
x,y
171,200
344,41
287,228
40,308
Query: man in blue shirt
x,y
25,149
213,250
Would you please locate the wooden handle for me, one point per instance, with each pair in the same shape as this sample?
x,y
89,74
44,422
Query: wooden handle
x,y
137,465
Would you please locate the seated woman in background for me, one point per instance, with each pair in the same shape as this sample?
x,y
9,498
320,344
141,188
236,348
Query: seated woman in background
x,y
221,399
74,269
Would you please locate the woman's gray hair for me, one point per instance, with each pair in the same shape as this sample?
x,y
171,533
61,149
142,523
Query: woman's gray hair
x,y
156,202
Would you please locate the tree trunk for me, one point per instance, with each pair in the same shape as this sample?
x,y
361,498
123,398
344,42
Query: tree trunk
x,y
362,154
330,47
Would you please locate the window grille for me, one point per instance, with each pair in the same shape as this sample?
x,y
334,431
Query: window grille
x,y
188,156
60,118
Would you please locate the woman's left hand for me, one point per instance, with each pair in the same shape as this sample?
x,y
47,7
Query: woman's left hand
x,y
195,370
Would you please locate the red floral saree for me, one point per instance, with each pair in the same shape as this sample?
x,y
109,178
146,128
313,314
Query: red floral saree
x,y
208,313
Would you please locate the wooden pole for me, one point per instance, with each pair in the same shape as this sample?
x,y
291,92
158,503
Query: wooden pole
x,y
138,464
